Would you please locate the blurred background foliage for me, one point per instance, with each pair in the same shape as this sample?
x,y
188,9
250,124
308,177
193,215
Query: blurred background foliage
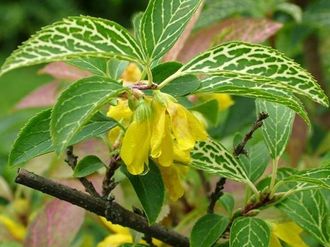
x,y
304,36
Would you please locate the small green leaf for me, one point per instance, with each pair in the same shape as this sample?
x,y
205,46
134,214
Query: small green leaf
x,y
207,230
209,109
256,162
87,166
162,24
257,61
228,202
308,209
110,68
277,127
249,232
178,87
210,156
149,189
77,104
34,139
75,37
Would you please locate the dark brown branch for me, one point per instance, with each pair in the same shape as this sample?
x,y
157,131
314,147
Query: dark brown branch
x,y
109,182
71,160
240,148
215,196
97,205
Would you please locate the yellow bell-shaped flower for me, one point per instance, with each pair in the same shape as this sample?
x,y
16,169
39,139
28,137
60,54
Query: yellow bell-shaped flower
x,y
136,142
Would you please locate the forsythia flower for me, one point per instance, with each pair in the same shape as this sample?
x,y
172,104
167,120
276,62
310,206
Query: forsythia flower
x,y
131,74
17,230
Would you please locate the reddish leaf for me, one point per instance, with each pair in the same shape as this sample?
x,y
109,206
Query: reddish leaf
x,y
175,50
243,29
56,225
43,96
63,71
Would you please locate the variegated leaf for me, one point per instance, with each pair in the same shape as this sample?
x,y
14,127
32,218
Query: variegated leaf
x,y
75,37
162,24
249,232
261,61
77,105
308,209
252,86
277,127
212,157
317,178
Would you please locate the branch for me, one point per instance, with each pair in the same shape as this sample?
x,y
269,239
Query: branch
x,y
97,205
240,148
215,196
71,160
109,182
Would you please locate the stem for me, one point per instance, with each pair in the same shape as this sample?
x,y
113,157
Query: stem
x,y
253,188
274,174
117,214
170,78
150,78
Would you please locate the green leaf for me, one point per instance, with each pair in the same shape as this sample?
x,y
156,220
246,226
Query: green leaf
x,y
228,202
87,166
249,232
308,209
209,109
75,37
256,162
77,105
252,86
149,189
212,157
111,68
318,14
207,230
34,139
318,178
259,61
277,127
163,23
181,86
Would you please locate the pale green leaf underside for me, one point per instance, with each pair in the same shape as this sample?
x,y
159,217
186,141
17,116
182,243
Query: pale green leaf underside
x,y
249,232
277,127
75,37
253,59
77,105
35,140
162,24
252,86
210,156
308,209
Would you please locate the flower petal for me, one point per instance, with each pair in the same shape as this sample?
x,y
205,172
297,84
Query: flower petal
x,y
172,181
135,147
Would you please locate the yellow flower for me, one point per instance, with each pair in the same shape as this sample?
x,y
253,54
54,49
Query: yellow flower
x,y
175,131
289,232
131,74
121,235
16,229
136,142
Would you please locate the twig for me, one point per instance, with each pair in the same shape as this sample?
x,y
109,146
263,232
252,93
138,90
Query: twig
x,y
215,196
109,182
240,148
97,205
71,160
